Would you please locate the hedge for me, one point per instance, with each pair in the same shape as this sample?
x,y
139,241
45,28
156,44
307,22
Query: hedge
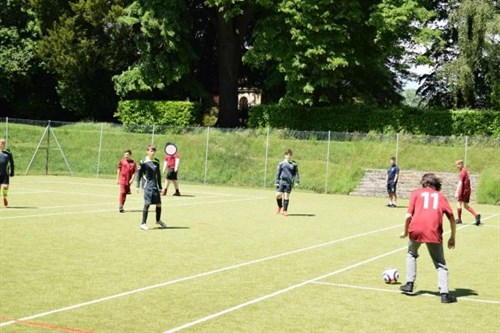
x,y
135,113
366,119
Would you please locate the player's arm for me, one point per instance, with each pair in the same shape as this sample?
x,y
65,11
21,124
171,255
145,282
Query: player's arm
x,y
278,175
404,234
396,176
118,175
297,177
11,159
177,162
139,175
459,188
158,176
132,177
453,229
164,166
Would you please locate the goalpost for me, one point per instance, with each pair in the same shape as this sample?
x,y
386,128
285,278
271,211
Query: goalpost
x,y
48,131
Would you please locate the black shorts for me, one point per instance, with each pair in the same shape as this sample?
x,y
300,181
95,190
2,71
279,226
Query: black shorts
x,y
4,179
391,188
171,174
284,186
152,196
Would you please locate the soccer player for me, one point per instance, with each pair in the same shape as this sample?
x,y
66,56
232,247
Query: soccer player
x,y
424,224
171,165
463,193
149,168
125,177
6,170
392,180
287,174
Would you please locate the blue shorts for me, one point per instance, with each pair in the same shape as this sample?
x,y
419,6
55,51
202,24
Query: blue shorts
x,y
391,188
284,186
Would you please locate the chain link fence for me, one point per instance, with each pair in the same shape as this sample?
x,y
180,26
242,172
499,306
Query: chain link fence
x,y
329,162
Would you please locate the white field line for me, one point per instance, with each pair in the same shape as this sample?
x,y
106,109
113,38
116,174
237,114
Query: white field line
x,y
114,209
192,277
281,291
293,287
399,292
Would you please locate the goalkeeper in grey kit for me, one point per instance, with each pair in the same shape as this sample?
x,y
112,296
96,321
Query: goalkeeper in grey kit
x,y
287,174
149,169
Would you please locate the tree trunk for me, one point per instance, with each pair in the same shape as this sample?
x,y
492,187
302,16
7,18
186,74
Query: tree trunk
x,y
229,65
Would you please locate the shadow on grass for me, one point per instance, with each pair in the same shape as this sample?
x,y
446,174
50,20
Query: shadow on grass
x,y
459,292
306,215
170,228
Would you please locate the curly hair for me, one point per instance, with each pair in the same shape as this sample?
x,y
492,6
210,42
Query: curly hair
x,y
432,181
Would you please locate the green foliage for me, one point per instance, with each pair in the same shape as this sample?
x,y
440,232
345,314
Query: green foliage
x,y
489,187
135,113
365,119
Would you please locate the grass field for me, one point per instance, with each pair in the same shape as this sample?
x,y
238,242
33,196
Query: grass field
x,y
70,262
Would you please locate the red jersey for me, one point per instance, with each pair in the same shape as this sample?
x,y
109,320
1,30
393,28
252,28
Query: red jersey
x,y
127,169
463,176
170,159
427,207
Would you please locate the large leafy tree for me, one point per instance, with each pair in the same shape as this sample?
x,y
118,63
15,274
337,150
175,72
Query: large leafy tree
x,y
84,47
465,68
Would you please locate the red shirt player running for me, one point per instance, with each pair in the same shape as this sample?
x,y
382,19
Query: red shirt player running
x,y
463,193
125,176
424,224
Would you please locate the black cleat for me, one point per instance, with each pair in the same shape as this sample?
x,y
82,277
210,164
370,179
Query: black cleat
x,y
447,298
478,219
407,288
121,210
458,221
161,224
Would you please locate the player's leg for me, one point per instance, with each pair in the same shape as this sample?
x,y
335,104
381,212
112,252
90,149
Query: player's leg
x,y
173,178
5,192
165,186
473,212
145,210
389,193
279,200
411,266
437,254
394,197
286,201
459,212
158,217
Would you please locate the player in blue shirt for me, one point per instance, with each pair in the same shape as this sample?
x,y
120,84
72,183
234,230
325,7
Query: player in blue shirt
x,y
287,174
392,181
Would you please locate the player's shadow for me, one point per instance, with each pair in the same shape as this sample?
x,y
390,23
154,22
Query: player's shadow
x,y
185,195
171,228
459,292
21,207
306,215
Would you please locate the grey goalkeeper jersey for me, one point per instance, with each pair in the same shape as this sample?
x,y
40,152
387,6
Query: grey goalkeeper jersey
x,y
6,163
287,171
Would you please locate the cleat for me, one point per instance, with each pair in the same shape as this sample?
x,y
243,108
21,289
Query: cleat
x,y
176,194
389,204
278,210
285,213
407,288
5,202
458,221
394,205
478,219
144,226
161,224
447,298
121,210
164,192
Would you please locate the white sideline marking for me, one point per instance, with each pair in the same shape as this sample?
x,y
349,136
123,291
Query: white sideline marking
x,y
114,209
399,292
282,291
187,278
279,292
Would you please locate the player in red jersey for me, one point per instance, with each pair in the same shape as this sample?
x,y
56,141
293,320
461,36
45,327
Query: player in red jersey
x,y
171,166
463,193
125,176
424,224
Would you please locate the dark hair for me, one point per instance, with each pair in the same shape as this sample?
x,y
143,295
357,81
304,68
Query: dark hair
x,y
152,147
127,151
288,151
432,181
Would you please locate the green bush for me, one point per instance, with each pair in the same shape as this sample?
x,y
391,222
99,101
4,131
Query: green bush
x,y
488,189
362,118
134,114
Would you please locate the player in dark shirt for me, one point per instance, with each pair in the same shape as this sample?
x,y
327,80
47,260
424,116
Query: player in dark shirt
x,y
6,170
287,174
149,173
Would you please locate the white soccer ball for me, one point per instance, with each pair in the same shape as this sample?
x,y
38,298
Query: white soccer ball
x,y
390,275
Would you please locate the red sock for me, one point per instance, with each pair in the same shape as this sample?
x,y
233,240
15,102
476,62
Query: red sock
x,y
122,198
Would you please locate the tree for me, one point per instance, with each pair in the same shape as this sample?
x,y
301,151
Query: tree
x,y
84,48
466,70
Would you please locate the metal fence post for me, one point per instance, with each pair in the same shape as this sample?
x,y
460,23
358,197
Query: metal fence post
x,y
327,162
266,157
206,157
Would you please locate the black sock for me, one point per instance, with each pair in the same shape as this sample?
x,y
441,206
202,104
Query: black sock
x,y
285,204
158,213
279,202
145,214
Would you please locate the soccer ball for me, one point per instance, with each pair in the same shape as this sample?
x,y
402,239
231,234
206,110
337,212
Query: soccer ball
x,y
390,275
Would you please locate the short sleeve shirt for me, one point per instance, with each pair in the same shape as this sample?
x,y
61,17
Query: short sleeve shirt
x,y
463,176
170,159
127,169
427,207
